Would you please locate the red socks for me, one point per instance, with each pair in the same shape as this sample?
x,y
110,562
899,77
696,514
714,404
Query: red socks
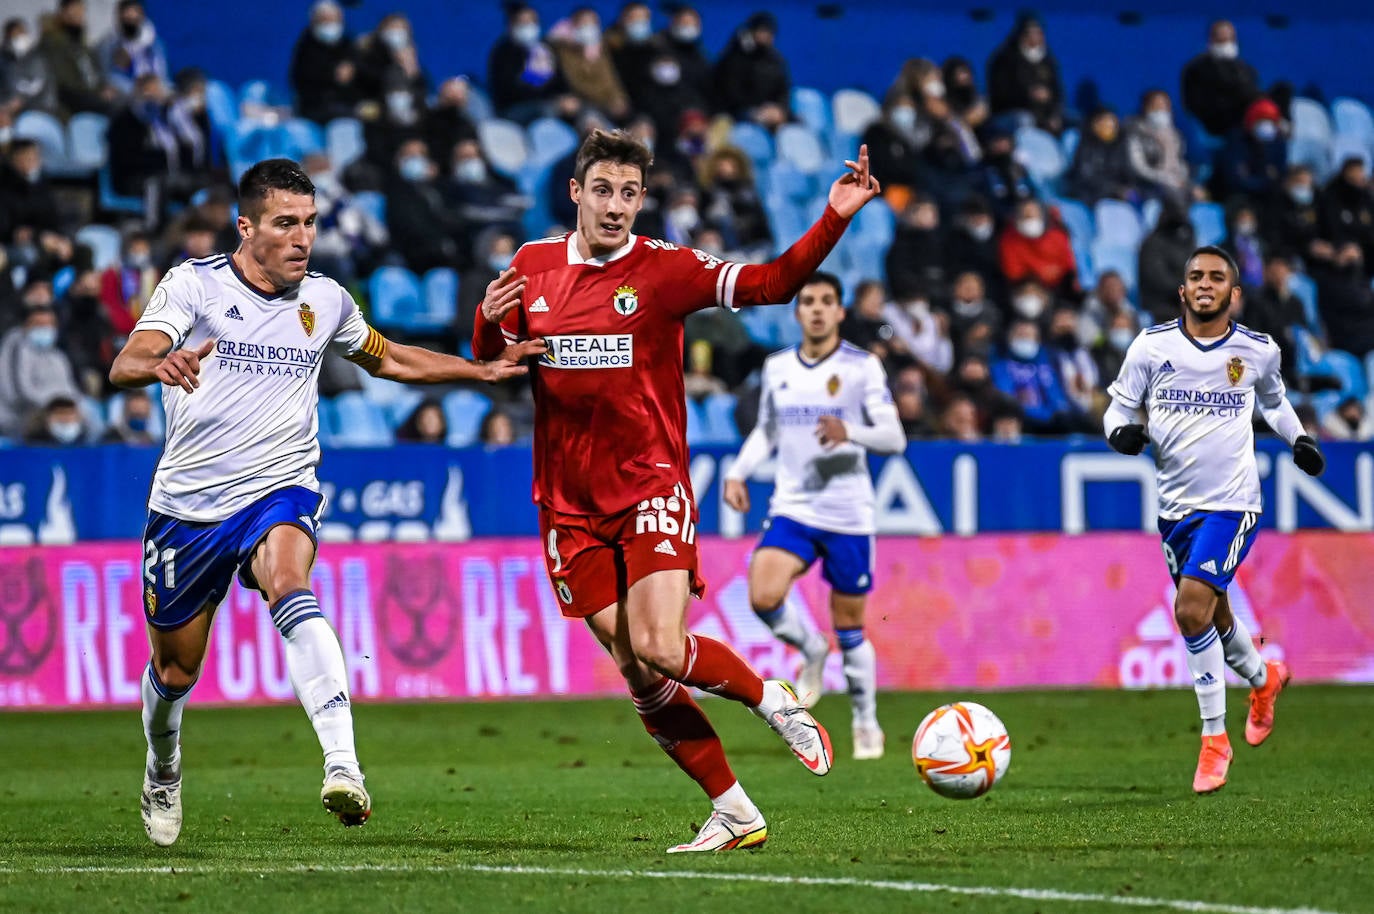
x,y
678,725
713,667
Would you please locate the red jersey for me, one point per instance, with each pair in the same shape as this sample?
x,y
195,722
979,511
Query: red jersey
x,y
610,408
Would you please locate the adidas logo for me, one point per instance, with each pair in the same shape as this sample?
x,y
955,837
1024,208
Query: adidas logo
x,y
233,312
1210,566
1166,367
1205,679
338,701
666,548
540,306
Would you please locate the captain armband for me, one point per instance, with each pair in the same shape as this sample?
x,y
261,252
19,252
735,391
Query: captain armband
x,y
371,353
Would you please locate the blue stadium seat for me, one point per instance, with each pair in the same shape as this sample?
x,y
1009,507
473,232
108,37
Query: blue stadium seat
x,y
439,289
104,242
1123,259
812,108
112,202
47,132
753,141
550,140
1310,120
800,146
1149,213
1040,153
875,225
221,103
1068,141
1305,288
1348,371
1077,219
503,144
1345,147
343,140
479,104
395,295
783,180
853,110
372,203
86,144
1117,222
397,401
1209,222
328,421
306,137
718,415
361,423
1315,154
464,411
1352,118
696,423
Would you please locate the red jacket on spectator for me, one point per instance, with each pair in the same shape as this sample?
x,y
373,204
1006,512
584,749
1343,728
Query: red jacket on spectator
x,y
1048,258
124,292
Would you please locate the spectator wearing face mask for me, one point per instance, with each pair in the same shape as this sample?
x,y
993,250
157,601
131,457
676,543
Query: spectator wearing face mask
x,y
752,81
915,262
865,325
667,96
86,334
58,424
975,322
1345,301
1348,422
1245,246
26,78
1219,87
27,200
1101,164
448,121
1000,179
1274,310
971,245
133,49
190,123
33,370
961,87
493,252
1254,158
522,73
1347,208
81,82
324,68
949,149
125,286
144,150
1154,149
1292,222
134,426
1023,78
1076,365
1033,248
586,64
349,240
682,39
1107,299
479,196
424,228
731,205
894,143
389,65
1026,372
1163,257
1109,352
972,378
634,47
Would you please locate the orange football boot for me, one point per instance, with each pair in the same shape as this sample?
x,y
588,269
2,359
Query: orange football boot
x,y
1260,723
1212,764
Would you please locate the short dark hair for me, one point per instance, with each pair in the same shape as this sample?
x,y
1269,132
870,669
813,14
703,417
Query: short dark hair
x,y
23,144
821,277
1217,252
615,146
267,176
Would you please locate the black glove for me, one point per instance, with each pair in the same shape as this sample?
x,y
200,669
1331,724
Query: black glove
x,y
1129,439
1308,455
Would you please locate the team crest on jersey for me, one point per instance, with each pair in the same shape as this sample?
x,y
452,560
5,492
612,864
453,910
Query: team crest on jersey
x,y
1234,370
833,385
307,319
626,300
564,591
150,601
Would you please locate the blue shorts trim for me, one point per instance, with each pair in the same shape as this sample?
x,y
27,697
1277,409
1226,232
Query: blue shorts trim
x,y
846,558
189,566
1208,545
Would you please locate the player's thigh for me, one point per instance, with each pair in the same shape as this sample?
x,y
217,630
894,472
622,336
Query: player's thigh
x,y
585,571
610,629
179,653
187,570
278,542
656,617
771,573
1209,546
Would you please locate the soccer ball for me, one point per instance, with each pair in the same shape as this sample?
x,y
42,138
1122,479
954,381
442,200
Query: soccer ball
x,y
961,750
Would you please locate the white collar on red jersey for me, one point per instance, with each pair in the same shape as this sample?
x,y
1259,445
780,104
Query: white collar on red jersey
x,y
575,258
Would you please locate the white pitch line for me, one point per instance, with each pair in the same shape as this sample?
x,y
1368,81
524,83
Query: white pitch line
x,y
1174,904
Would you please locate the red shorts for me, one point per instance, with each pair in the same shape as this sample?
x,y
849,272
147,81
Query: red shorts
x,y
594,559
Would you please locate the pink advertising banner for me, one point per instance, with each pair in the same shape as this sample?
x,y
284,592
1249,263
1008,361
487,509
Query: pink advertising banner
x,y
478,620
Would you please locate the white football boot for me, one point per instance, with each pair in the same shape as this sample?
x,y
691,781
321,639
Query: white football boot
x,y
723,833
868,743
161,805
344,795
803,733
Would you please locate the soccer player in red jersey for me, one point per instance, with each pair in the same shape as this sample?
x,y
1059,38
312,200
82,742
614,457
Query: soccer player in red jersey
x,y
616,509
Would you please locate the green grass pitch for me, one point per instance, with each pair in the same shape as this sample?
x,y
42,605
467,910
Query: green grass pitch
x,y
569,807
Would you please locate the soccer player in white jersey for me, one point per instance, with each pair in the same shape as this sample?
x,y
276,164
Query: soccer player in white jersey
x,y
236,341
825,404
1199,379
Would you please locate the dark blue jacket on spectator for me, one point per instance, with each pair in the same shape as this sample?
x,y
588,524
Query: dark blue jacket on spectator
x,y
1035,385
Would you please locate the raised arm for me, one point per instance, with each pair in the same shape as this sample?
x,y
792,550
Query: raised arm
x,y
148,357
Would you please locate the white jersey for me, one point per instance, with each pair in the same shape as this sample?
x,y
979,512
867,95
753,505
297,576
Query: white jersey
x,y
1200,401
252,425
824,487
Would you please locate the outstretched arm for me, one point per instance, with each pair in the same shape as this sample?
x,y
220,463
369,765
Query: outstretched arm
x,y
415,365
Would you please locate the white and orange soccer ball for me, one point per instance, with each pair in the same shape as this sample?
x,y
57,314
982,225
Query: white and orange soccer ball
x,y
961,750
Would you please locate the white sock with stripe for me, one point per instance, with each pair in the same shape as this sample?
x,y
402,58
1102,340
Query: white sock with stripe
x,y
162,710
1207,663
1242,656
316,664
861,675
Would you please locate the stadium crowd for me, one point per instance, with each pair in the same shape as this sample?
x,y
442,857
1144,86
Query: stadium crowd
x,y
989,323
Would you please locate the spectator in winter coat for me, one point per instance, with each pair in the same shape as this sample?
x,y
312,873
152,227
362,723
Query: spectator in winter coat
x,y
1033,248
1023,77
1218,86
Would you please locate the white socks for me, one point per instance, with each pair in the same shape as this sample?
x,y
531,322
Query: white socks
x,y
316,664
1242,656
861,673
735,804
786,623
162,710
1207,663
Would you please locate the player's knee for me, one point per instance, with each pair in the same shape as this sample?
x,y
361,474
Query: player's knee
x,y
174,676
766,601
1193,610
664,654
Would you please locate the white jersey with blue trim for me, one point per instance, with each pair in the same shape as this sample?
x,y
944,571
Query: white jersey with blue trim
x,y
828,488
1200,400
251,426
